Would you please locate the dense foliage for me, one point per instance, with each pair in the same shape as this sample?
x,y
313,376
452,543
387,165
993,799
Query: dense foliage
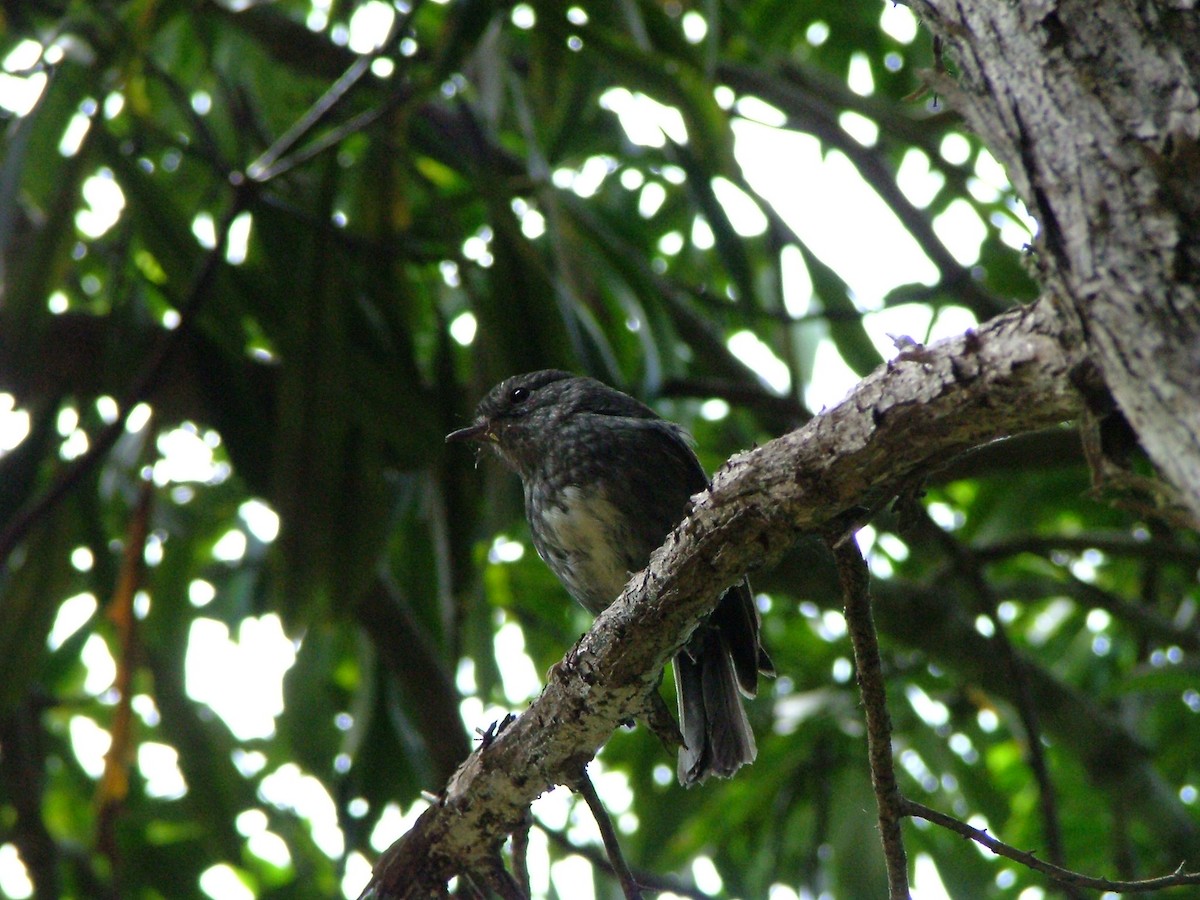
x,y
248,272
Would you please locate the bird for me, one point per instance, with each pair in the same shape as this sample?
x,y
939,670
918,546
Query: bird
x,y
605,480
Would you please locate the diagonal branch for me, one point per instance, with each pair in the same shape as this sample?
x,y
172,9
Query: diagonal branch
x,y
1058,873
971,571
1012,375
651,881
1115,760
274,160
612,846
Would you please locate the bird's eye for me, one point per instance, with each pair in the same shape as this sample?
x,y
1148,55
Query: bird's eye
x,y
518,395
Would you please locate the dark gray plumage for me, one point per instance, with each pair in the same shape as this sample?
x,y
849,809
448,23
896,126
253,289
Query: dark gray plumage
x,y
606,479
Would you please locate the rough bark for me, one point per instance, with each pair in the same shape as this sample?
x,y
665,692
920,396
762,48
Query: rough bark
x,y
1013,375
1093,106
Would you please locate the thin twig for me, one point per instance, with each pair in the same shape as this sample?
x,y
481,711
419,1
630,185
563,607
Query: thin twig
x,y
113,788
649,881
855,578
971,570
271,162
608,834
331,138
738,393
1058,873
1111,543
467,887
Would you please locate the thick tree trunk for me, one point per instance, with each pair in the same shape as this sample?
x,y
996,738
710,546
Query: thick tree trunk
x,y
1094,108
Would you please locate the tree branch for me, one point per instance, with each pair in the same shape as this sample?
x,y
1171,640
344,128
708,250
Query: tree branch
x,y
520,855
598,858
855,579
1058,873
971,571
1160,549
612,846
1116,761
1010,376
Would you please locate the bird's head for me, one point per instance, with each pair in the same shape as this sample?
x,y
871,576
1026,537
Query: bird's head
x,y
528,418
517,416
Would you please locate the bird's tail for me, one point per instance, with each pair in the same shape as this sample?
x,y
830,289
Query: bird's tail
x,y
715,728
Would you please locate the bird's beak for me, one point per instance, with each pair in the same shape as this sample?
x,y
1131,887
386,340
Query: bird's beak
x,y
480,431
